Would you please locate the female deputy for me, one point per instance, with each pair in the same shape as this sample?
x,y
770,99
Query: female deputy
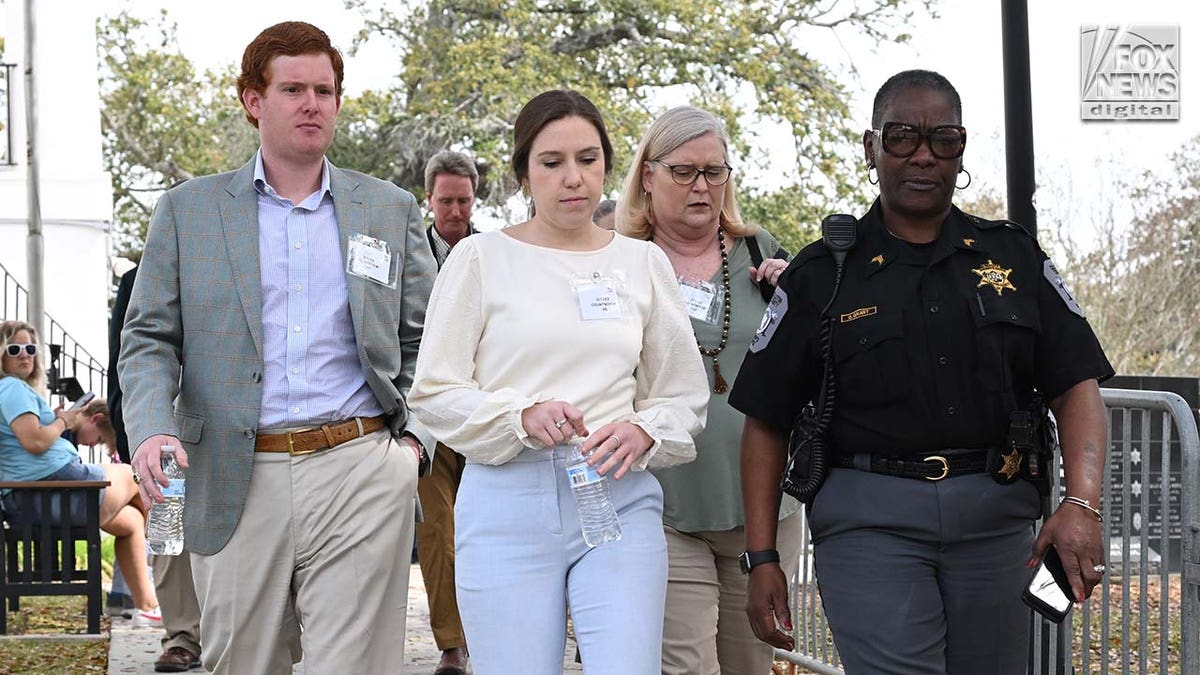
x,y
32,448
680,194
944,326
548,329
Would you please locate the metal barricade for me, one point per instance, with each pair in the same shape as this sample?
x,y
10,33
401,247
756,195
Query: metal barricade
x,y
1145,615
1151,506
814,649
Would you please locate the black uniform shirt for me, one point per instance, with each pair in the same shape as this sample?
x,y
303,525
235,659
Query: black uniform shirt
x,y
934,344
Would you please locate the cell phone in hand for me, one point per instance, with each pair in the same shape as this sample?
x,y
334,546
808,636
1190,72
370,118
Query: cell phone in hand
x,y
82,401
1048,591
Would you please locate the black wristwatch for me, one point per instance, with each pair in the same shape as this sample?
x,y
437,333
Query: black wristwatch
x,y
751,559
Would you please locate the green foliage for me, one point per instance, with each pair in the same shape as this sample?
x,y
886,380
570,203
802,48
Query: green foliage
x,y
468,67
785,213
162,121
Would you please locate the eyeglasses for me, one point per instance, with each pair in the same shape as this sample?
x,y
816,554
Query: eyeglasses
x,y
946,141
15,350
686,174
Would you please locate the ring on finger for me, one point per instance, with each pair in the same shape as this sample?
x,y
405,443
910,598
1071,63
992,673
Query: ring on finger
x,y
137,479
615,438
1099,568
559,424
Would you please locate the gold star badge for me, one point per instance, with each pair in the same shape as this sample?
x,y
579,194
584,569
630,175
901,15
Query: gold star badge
x,y
1012,464
995,276
968,242
878,260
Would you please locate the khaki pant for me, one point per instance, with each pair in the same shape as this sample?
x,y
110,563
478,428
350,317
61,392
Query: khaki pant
x,y
318,565
435,545
705,630
177,598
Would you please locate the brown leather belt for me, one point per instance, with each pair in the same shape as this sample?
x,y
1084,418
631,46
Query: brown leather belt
x,y
323,437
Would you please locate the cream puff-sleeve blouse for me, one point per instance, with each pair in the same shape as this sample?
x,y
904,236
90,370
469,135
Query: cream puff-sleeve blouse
x,y
504,330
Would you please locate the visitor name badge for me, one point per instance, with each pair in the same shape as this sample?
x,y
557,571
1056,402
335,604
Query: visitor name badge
x,y
371,259
598,295
702,300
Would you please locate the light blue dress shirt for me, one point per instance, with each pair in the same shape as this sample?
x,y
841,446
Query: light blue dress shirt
x,y
312,373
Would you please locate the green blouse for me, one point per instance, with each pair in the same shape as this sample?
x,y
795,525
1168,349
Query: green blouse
x,y
706,495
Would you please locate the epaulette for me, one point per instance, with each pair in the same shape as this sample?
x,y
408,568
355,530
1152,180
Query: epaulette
x,y
985,224
814,250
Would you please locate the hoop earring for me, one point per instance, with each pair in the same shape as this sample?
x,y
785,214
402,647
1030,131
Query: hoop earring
x,y
963,187
870,168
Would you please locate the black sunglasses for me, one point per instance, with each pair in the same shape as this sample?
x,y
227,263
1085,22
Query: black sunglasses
x,y
15,350
946,141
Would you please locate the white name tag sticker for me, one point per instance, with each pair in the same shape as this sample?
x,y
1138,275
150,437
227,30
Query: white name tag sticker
x,y
698,300
598,302
370,258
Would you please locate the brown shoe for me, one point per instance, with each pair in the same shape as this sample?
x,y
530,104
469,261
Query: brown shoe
x,y
176,660
454,662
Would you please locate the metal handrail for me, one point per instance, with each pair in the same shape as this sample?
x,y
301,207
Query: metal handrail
x,y
74,360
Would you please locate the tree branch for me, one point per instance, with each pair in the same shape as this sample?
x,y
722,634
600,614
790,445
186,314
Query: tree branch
x,y
167,168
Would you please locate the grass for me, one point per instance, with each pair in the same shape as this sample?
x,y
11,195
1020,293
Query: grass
x,y
53,616
57,616
1118,650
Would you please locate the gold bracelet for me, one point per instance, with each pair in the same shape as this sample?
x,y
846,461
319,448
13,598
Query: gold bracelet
x,y
1083,504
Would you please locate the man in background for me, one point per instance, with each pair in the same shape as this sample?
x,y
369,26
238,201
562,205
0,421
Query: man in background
x,y
450,183
605,214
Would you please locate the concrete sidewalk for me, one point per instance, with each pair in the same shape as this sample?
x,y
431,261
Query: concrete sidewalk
x,y
133,650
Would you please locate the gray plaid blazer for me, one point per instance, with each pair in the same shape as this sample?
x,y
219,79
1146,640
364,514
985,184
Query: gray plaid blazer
x,y
191,351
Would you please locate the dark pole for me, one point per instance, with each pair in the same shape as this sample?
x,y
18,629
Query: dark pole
x,y
1018,113
1018,155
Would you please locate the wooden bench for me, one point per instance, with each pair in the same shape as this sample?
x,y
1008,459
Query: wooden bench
x,y
38,558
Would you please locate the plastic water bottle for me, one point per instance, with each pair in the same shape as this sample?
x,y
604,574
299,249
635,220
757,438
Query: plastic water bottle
x,y
164,527
597,517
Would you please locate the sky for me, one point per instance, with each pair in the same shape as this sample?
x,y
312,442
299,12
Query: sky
x,y
1079,163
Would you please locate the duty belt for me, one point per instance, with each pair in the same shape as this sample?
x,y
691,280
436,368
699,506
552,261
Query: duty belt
x,y
323,437
934,466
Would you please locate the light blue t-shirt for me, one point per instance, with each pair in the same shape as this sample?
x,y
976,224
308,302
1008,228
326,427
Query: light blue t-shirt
x,y
17,463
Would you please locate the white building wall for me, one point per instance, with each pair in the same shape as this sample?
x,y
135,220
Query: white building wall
x,y
76,194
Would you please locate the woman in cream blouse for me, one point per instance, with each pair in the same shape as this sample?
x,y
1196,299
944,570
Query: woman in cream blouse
x,y
551,328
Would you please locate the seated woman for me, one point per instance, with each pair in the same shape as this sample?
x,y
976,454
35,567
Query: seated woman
x,y
32,448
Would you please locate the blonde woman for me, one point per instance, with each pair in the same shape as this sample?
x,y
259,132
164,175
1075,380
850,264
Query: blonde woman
x,y
680,194
32,448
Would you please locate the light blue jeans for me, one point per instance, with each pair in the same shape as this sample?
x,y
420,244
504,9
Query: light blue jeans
x,y
521,561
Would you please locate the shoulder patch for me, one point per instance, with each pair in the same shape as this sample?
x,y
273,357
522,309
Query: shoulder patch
x,y
1060,286
812,251
776,308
